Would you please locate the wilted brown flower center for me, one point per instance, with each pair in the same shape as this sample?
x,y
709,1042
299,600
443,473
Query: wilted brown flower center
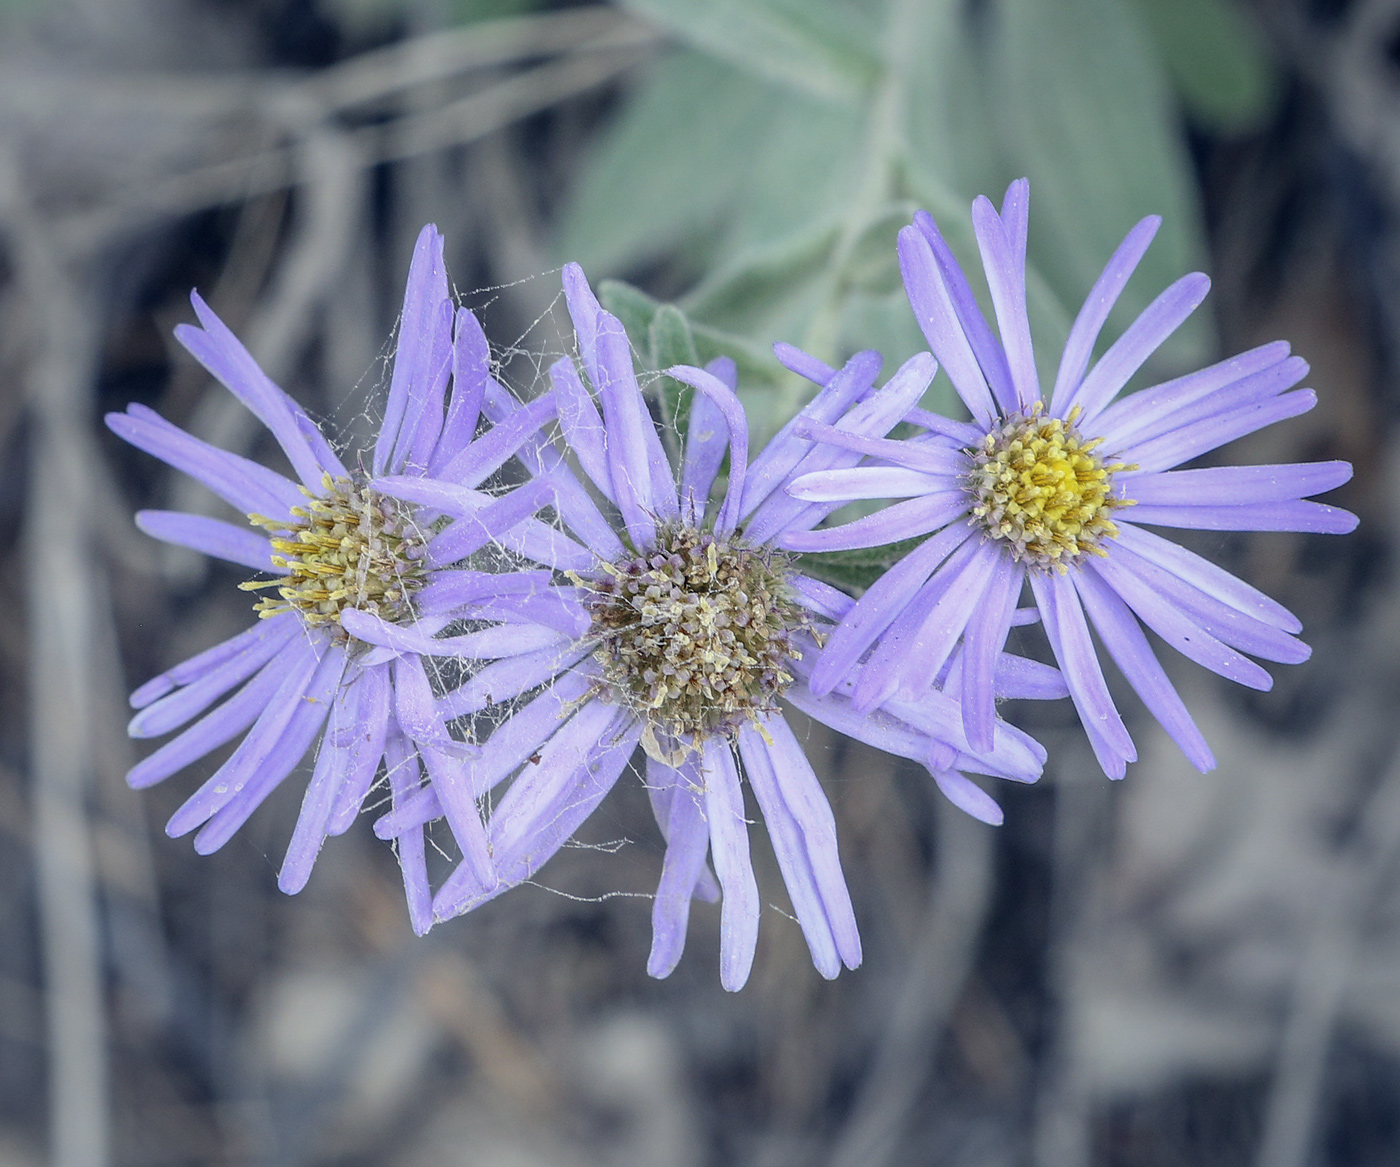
x,y
695,635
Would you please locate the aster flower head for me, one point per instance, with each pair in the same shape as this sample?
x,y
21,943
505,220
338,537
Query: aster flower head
x,y
1056,491
335,546
672,622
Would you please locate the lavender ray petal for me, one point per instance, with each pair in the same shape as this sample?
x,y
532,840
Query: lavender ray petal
x,y
629,425
1017,756
783,780
424,294
968,797
1299,515
1227,624
1193,440
925,456
450,591
316,803
582,424
535,797
820,597
706,441
486,644
209,536
1018,678
171,711
280,628
223,355
938,319
365,729
1068,633
1095,311
1134,657
1139,341
857,482
1015,217
243,484
1239,485
1179,630
404,784
1124,420
723,398
259,776
1006,280
803,364
729,846
687,841
991,357
880,605
475,463
222,724
559,608
471,368
584,311
1201,573
984,639
423,420
582,516
777,459
959,433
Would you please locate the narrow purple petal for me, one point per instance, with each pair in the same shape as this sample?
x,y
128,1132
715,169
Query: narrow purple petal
x,y
1139,341
880,605
279,628
1017,677
706,441
1006,280
991,357
210,536
1201,573
223,354
486,644
1131,418
244,485
820,597
1095,311
1191,441
803,364
1068,633
1299,515
777,459
1227,486
404,780
968,797
983,641
1015,217
423,420
316,804
629,426
174,710
1135,659
729,846
938,318
857,482
421,321
926,456
1179,630
507,678
687,840
450,591
724,399
471,369
959,433
479,460
803,830
362,732
582,424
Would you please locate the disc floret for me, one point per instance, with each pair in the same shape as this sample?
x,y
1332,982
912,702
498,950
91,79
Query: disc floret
x,y
1038,486
348,547
696,636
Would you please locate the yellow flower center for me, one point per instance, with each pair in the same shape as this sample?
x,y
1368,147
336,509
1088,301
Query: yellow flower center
x,y
696,635
349,547
1038,486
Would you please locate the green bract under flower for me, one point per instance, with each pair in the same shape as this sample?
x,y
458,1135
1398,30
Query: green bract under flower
x,y
696,636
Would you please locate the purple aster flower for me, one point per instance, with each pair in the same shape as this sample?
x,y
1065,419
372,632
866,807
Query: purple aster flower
x,y
680,628
1057,491
333,544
